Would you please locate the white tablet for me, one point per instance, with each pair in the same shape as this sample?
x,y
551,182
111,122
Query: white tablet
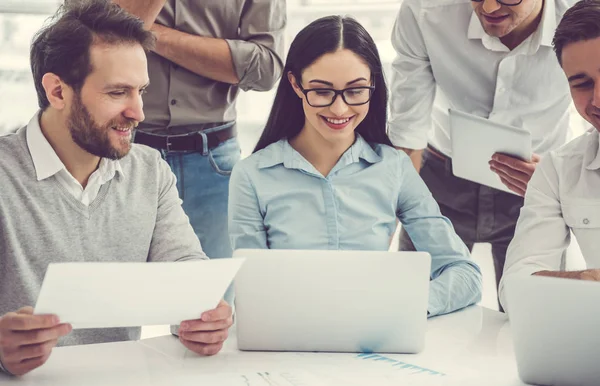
x,y
476,139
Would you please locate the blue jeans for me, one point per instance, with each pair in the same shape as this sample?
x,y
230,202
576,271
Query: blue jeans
x,y
203,185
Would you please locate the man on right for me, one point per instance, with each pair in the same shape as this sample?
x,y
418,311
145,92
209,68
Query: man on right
x,y
489,58
564,192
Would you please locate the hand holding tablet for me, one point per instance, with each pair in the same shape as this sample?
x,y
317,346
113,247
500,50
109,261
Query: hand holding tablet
x,y
476,140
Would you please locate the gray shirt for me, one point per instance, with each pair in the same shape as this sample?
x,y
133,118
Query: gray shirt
x,y
254,31
136,217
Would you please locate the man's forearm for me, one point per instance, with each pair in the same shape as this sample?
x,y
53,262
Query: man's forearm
x,y
208,57
147,10
416,156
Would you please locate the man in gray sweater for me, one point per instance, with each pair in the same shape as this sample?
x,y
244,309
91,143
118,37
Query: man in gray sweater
x,y
74,188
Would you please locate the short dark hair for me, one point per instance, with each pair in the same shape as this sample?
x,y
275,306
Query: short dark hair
x,y
581,22
63,46
325,35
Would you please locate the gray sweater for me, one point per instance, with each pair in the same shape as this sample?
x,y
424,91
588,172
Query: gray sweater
x,y
137,216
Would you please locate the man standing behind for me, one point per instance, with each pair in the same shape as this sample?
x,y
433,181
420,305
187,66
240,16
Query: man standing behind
x,y
206,51
491,58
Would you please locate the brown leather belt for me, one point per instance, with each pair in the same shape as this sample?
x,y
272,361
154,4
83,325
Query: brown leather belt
x,y
186,142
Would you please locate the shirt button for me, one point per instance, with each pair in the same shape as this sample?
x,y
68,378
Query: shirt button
x,y
173,102
586,221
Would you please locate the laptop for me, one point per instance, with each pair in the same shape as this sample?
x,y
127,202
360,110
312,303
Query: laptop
x,y
555,324
476,139
335,301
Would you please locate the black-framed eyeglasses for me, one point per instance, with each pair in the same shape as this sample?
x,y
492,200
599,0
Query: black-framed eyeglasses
x,y
508,3
352,96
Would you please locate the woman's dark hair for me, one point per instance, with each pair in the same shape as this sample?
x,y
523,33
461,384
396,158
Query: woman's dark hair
x,y
322,36
63,46
581,22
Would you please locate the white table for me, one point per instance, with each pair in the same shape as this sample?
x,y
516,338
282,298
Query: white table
x,y
469,347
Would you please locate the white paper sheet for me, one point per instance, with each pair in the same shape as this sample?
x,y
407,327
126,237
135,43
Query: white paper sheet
x,y
102,295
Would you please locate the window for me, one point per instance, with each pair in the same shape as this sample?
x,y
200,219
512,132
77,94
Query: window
x,y
19,21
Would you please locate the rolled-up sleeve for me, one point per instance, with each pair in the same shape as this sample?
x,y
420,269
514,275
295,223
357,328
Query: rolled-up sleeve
x,y
413,83
542,235
258,52
455,278
246,222
173,238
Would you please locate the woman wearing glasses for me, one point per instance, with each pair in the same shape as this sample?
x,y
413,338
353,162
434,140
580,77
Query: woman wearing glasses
x,y
325,176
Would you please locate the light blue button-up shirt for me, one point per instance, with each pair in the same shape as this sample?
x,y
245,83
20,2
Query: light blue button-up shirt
x,y
278,200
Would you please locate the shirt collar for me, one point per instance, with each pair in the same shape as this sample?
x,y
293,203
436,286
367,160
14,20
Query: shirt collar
x,y
47,163
109,168
45,160
548,24
541,37
595,163
476,30
282,152
361,149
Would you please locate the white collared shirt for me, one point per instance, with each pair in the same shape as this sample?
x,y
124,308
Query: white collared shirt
x,y
446,60
562,196
47,164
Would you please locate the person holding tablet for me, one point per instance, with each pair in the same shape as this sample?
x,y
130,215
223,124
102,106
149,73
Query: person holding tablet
x,y
563,192
490,58
325,176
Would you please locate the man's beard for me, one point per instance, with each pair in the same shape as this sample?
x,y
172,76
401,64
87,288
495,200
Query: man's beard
x,y
94,138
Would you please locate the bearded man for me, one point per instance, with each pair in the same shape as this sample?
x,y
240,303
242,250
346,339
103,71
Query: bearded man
x,y
74,188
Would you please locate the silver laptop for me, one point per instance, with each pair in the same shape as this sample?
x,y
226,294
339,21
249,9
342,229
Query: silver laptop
x,y
555,325
337,301
476,139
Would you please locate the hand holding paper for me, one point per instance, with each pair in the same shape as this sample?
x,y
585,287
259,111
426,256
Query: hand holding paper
x,y
205,336
103,295
26,340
